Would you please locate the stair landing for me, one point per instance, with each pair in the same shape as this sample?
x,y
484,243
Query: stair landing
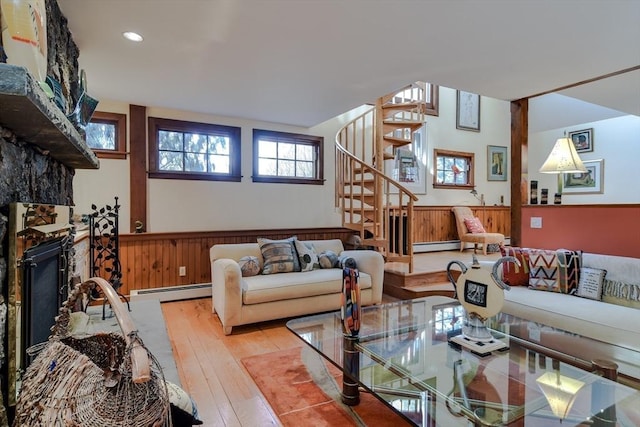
x,y
429,277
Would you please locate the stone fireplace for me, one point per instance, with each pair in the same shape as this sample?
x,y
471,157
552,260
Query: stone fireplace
x,y
40,149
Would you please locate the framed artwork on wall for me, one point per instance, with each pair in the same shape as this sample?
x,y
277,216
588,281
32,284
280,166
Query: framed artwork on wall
x,y
468,111
496,163
582,140
591,181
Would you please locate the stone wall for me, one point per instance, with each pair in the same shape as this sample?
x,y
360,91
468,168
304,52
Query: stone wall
x,y
27,174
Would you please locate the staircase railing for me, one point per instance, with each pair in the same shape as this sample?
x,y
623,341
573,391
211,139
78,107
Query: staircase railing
x,y
375,205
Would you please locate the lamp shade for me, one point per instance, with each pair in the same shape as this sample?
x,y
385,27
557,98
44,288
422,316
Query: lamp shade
x,y
563,158
560,391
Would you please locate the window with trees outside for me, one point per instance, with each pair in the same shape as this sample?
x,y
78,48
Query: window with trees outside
x,y
196,151
107,135
283,157
454,169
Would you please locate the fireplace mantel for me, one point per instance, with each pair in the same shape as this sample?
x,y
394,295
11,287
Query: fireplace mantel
x,y
27,111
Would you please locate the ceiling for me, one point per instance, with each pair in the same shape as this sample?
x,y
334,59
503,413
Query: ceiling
x,y
301,62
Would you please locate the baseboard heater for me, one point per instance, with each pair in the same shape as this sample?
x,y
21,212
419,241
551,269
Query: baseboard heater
x,y
444,246
172,293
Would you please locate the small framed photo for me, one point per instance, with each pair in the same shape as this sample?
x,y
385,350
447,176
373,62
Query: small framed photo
x,y
468,111
591,181
582,140
496,163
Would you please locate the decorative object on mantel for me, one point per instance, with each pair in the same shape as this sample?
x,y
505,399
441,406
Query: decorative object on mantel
x,y
544,196
534,192
86,105
24,35
481,293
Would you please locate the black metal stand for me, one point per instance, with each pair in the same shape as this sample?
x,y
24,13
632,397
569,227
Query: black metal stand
x,y
350,370
104,244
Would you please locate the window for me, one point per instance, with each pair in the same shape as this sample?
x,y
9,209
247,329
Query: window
x,y
287,157
453,169
188,150
107,135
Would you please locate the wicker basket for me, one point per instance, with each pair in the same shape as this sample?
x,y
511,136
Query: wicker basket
x,y
106,379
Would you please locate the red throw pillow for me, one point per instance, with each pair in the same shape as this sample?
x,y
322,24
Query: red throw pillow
x,y
474,225
513,275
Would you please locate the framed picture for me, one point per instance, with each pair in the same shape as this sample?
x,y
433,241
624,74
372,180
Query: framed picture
x,y
582,139
468,111
496,163
591,181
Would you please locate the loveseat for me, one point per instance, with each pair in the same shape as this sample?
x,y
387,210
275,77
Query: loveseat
x,y
609,311
240,300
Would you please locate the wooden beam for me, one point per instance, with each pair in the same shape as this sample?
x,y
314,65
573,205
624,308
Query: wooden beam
x,y
138,165
519,167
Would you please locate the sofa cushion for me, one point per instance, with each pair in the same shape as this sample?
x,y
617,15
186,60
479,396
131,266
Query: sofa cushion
x,y
249,266
260,289
513,274
543,265
593,319
307,256
279,255
622,283
591,283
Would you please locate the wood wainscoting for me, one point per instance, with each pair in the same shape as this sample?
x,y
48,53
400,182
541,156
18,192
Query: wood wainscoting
x,y
437,223
152,260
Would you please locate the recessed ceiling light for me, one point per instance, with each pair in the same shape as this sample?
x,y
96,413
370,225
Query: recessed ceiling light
x,y
134,37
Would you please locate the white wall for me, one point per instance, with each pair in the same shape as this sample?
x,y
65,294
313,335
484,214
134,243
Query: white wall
x,y
180,205
616,140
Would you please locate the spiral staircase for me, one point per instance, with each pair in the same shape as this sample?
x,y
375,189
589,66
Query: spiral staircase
x,y
372,203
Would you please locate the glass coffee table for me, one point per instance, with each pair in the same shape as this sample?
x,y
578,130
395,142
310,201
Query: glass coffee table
x,y
402,356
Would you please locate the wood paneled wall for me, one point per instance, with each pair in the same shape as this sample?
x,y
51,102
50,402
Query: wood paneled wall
x,y
152,260
437,223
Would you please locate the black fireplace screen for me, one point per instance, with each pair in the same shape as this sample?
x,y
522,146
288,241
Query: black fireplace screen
x,y
44,289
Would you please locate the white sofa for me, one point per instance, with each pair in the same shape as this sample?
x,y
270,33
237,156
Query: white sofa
x,y
241,300
613,320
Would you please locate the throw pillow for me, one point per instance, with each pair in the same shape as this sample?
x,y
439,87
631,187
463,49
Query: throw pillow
x,y
474,225
591,282
512,274
543,274
569,263
279,255
249,266
307,256
328,259
183,409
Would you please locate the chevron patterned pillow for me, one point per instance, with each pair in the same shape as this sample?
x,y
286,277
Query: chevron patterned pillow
x,y
543,270
569,264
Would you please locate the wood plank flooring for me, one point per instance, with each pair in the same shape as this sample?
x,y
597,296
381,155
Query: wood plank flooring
x,y
209,362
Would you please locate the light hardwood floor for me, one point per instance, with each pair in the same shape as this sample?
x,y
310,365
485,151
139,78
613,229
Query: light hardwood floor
x,y
209,362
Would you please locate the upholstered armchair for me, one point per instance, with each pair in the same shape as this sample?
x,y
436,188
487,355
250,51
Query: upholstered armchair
x,y
479,235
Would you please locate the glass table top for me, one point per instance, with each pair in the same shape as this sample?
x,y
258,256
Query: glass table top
x,y
406,361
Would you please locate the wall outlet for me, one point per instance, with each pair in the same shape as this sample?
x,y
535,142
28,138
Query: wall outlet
x,y
182,271
536,222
